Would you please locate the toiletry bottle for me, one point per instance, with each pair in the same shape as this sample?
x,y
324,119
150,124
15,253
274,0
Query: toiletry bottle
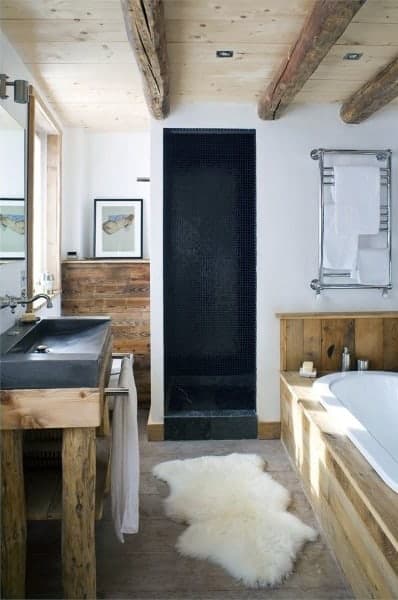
x,y
345,360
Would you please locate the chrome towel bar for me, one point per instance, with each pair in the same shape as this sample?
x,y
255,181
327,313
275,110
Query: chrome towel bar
x,y
109,391
113,391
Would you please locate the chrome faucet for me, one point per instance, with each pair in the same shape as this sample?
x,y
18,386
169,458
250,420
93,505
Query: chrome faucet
x,y
5,301
8,301
12,301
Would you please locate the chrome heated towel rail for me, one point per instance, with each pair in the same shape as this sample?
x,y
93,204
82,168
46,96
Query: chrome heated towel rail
x,y
327,159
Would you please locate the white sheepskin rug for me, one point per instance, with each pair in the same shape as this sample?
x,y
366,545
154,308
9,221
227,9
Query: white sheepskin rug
x,y
236,516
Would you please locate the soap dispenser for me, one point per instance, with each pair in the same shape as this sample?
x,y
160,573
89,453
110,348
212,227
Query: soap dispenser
x,y
345,360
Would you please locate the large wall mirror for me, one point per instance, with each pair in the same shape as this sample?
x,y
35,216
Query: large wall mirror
x,y
30,191
12,204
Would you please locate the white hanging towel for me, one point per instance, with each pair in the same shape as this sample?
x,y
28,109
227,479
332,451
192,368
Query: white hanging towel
x,y
374,241
340,252
357,198
125,470
373,266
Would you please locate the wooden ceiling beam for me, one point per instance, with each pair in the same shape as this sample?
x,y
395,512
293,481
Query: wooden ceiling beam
x,y
324,25
373,95
145,26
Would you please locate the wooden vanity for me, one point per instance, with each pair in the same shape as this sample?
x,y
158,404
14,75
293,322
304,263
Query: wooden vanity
x,y
78,412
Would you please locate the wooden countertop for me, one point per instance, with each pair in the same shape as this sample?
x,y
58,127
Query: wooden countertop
x,y
339,315
381,500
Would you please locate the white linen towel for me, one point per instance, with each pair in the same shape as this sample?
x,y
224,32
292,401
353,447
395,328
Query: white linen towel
x,y
373,266
125,470
357,199
373,241
340,252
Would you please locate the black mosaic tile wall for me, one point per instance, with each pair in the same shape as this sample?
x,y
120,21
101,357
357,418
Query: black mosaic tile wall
x,y
209,277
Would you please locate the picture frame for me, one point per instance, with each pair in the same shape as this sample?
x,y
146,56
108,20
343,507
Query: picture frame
x,y
118,228
12,228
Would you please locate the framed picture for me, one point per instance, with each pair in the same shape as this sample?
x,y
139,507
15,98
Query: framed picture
x,y
118,228
12,228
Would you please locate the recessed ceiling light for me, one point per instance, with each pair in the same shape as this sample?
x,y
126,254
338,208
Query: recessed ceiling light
x,y
224,53
352,56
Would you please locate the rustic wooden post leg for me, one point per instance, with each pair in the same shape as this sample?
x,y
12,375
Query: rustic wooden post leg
x,y
13,516
78,513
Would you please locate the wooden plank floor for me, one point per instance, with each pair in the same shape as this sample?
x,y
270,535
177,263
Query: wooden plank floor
x,y
147,567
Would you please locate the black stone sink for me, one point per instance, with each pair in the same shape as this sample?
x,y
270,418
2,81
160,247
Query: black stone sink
x,y
64,352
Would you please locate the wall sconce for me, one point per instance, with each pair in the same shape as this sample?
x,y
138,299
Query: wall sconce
x,y
21,89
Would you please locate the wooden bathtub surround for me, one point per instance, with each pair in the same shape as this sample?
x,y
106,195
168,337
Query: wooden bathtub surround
x,y
357,510
78,412
119,289
320,337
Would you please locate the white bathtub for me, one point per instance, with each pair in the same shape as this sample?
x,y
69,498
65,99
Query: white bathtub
x,y
366,406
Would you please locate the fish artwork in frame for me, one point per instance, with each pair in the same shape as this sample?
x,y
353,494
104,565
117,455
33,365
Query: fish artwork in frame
x,y
12,228
118,228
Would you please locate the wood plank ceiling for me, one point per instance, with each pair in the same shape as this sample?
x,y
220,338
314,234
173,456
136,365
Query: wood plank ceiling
x,y
79,52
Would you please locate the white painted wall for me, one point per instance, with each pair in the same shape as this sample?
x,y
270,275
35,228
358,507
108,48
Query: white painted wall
x,y
75,234
287,224
12,65
12,163
101,165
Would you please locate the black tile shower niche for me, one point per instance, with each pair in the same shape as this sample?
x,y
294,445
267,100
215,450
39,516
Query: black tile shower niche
x,y
210,283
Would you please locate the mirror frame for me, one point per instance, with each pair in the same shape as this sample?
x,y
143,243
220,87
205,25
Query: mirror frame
x,y
29,191
36,103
